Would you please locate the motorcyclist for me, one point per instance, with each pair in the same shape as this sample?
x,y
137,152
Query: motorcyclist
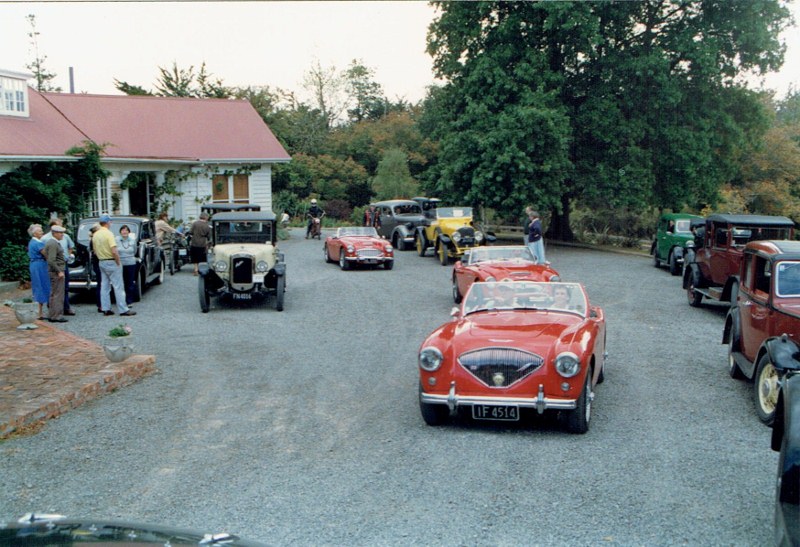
x,y
315,211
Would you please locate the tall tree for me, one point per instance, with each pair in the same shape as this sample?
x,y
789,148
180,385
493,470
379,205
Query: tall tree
x,y
326,86
622,103
181,82
365,93
44,78
393,179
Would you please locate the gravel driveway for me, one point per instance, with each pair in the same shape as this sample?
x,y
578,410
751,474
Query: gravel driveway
x,y
302,427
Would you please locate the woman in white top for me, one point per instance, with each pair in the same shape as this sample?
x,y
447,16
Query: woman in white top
x,y
126,246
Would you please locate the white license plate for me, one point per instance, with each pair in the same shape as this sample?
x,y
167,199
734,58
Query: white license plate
x,y
181,252
495,412
242,296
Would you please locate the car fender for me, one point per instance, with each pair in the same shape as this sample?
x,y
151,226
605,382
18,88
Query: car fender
x,y
444,239
732,328
280,268
421,235
489,237
203,268
403,230
783,352
677,252
787,422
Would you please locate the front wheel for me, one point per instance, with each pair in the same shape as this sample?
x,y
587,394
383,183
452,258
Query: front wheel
x,y
733,369
327,255
343,264
456,293
433,414
421,247
399,243
280,289
388,264
579,418
674,269
444,260
766,387
205,300
692,295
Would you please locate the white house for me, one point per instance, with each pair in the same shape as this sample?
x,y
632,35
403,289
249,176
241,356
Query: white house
x,y
216,150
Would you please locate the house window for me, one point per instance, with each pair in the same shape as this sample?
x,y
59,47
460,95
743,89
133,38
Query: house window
x,y
230,189
13,97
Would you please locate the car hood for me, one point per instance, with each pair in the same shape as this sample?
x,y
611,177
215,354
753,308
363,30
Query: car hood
x,y
516,271
455,223
259,250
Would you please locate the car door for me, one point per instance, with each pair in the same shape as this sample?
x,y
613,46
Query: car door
x,y
755,312
148,248
662,239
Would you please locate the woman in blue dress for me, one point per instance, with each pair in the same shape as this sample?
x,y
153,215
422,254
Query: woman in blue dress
x,y
40,280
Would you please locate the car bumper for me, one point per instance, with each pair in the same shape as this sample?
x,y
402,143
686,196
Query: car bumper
x,y
369,260
540,402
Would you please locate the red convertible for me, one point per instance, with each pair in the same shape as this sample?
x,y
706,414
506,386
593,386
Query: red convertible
x,y
358,245
512,346
510,263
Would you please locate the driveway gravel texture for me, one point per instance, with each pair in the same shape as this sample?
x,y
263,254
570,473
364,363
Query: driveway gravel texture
x,y
302,427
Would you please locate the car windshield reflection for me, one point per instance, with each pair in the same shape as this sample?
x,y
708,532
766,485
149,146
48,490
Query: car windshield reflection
x,y
454,212
242,232
525,295
357,231
788,280
501,254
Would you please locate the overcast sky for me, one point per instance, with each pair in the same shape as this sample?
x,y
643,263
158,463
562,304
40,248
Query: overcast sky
x,y
243,43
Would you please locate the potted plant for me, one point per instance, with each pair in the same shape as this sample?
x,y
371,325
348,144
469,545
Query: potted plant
x,y
118,344
26,313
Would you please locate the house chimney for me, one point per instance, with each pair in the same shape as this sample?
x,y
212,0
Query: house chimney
x,y
71,81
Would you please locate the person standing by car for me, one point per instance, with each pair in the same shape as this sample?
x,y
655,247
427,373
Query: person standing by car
x,y
68,247
56,263
526,223
200,233
126,247
162,227
40,281
95,265
314,211
105,246
535,240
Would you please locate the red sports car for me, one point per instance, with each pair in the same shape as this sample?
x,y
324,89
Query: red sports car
x,y
508,263
515,345
358,245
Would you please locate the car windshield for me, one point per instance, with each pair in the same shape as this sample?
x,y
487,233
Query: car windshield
x,y
788,279
407,209
525,295
454,212
683,226
239,231
501,254
357,231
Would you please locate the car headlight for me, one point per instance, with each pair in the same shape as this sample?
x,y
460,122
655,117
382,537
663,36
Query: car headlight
x,y
388,248
568,365
220,266
555,278
456,237
350,249
490,279
262,267
430,359
478,235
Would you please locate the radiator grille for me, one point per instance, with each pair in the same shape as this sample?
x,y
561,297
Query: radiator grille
x,y
369,253
500,367
242,269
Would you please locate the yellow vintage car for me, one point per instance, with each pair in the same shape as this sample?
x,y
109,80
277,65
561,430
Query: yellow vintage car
x,y
243,261
449,231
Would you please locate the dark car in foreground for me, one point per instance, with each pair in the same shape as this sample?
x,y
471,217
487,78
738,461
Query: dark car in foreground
x,y
766,308
151,259
786,440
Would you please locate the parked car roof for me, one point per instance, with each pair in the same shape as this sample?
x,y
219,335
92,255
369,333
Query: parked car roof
x,y
117,218
390,202
751,220
784,248
248,216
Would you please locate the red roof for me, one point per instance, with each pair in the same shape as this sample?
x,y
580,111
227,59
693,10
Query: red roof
x,y
139,127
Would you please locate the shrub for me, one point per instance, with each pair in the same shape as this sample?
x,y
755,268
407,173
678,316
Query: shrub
x,y
338,209
14,263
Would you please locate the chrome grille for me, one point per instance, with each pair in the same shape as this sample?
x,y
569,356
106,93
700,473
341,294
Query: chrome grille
x,y
467,237
500,367
242,269
369,253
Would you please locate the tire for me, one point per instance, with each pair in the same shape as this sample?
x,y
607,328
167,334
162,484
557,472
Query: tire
x,y
673,264
280,290
733,369
656,260
400,243
162,273
420,242
388,265
577,420
457,296
444,260
343,264
433,415
766,387
694,297
203,294
327,255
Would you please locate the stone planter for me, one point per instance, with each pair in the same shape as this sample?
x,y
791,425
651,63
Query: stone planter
x,y
119,348
26,314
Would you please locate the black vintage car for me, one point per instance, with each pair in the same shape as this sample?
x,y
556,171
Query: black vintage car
x,y
399,221
150,255
786,440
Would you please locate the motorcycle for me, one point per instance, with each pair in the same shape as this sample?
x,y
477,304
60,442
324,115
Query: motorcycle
x,y
176,249
316,227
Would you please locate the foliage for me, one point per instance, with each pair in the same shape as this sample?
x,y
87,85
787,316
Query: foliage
x,y
131,89
393,179
43,77
120,331
337,208
181,82
14,262
326,86
543,101
366,93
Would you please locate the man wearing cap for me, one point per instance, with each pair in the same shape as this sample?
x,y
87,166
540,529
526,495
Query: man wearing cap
x,y
104,245
314,211
56,263
68,246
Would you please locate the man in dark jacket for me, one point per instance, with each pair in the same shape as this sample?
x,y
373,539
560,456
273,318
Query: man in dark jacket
x,y
313,212
56,263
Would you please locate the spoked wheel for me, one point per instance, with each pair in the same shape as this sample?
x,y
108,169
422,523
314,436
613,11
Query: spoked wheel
x,y
343,264
280,289
205,300
692,295
443,258
420,242
457,297
766,387
433,414
579,418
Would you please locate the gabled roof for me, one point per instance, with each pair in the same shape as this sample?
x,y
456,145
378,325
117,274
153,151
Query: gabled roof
x,y
142,128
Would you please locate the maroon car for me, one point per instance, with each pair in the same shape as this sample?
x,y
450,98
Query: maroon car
x,y
766,309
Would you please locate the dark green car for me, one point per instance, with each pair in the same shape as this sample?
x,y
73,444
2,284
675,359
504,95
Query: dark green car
x,y
672,233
